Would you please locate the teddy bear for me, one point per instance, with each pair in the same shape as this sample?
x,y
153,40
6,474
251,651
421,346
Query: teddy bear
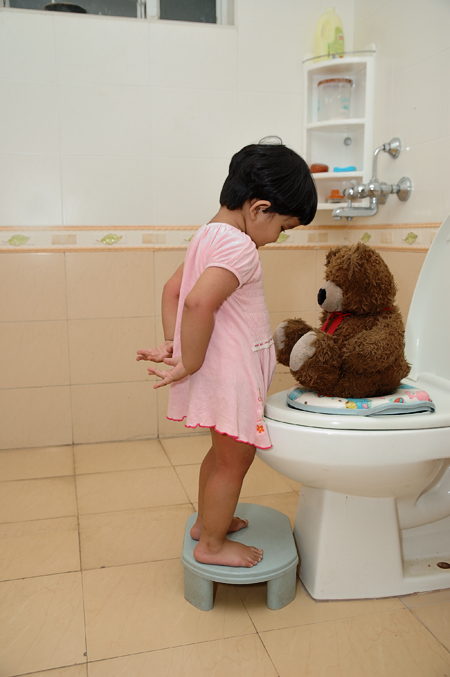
x,y
358,351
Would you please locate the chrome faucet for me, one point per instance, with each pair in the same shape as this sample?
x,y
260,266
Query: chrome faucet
x,y
376,191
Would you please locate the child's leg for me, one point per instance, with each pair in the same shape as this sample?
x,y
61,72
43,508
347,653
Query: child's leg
x,y
221,494
206,468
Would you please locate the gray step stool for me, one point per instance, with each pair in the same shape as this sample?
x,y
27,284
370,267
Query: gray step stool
x,y
268,529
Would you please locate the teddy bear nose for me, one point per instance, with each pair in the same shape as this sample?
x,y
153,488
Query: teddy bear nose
x,y
321,296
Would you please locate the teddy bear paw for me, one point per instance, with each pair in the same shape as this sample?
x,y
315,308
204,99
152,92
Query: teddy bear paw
x,y
303,350
278,336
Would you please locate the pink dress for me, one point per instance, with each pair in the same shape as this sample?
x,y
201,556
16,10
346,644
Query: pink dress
x,y
229,390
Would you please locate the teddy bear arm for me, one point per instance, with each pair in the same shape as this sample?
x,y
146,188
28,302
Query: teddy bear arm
x,y
286,336
322,370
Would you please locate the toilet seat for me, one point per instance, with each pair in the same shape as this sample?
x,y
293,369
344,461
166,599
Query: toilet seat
x,y
438,389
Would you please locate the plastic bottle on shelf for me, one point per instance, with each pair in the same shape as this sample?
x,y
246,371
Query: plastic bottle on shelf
x,y
329,37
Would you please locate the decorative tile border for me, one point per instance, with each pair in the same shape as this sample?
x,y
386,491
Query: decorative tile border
x,y
94,238
36,239
397,237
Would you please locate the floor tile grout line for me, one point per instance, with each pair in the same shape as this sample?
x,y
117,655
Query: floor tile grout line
x,y
36,479
29,578
236,587
85,474
150,507
268,654
256,629
184,488
132,564
447,649
109,472
81,568
39,519
168,648
112,472
160,440
49,670
424,606
93,514
343,618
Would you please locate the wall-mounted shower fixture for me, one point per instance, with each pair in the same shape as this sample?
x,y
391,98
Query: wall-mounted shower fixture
x,y
377,191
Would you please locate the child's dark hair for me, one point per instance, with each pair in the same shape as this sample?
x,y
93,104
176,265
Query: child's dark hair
x,y
272,172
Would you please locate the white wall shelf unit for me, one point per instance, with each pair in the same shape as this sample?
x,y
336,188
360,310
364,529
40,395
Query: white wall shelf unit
x,y
340,142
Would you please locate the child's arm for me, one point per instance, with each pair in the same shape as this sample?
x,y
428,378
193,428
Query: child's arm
x,y
169,303
211,289
169,306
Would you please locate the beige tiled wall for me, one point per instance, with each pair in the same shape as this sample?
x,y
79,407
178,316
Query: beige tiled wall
x,y
70,326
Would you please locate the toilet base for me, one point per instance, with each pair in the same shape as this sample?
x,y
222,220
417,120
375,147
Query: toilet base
x,y
351,547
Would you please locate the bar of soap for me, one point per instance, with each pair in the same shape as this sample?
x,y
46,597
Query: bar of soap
x,y
317,168
351,168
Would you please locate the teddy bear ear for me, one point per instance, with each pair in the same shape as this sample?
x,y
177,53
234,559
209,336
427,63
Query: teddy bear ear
x,y
331,254
360,257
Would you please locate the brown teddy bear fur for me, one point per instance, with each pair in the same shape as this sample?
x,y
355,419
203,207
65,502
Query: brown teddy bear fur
x,y
365,355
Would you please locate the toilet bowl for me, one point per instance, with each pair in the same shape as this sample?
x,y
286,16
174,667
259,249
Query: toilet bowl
x,y
373,518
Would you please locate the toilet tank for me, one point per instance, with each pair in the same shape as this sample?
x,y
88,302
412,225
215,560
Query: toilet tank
x,y
428,325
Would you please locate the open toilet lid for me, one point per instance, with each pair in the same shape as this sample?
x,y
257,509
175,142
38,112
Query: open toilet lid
x,y
428,326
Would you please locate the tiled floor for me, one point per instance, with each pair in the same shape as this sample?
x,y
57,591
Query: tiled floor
x,y
92,584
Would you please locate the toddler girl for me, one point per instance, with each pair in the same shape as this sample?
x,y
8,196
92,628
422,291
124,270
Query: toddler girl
x,y
218,338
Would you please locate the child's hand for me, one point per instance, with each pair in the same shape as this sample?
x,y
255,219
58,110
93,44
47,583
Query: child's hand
x,y
158,354
177,372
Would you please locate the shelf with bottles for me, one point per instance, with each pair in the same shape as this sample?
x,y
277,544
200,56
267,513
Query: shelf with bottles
x,y
340,142
355,68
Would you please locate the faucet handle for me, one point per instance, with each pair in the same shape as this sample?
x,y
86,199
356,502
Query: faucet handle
x,y
356,191
403,188
361,191
350,192
374,189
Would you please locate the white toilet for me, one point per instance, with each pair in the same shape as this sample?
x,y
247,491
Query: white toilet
x,y
373,517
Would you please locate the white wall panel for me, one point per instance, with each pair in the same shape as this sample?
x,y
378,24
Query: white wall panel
x,y
104,120
31,190
27,46
193,56
29,117
187,189
102,50
194,124
101,190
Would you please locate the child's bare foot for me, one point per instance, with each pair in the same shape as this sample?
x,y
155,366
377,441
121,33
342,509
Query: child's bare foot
x,y
230,554
236,524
